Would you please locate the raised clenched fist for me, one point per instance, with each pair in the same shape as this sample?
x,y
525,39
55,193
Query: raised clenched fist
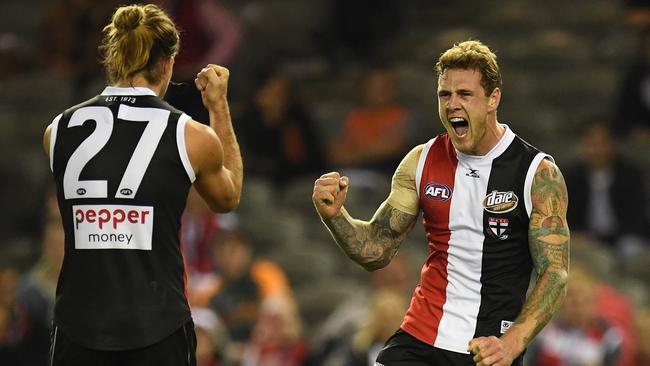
x,y
329,194
212,82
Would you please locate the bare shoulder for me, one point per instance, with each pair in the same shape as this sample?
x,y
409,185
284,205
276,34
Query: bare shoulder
x,y
548,184
199,131
548,222
415,153
548,165
403,194
408,165
47,135
203,145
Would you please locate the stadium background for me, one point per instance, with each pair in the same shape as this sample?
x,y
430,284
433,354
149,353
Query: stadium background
x,y
563,65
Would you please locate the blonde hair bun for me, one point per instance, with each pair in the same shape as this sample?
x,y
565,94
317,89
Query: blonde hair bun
x,y
136,40
128,18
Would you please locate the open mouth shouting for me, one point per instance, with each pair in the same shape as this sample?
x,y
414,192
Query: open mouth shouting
x,y
459,125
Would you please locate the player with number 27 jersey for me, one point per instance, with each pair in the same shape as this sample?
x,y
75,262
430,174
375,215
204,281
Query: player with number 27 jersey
x,y
122,174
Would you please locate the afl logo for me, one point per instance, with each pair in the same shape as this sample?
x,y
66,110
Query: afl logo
x,y
437,192
126,191
81,191
500,202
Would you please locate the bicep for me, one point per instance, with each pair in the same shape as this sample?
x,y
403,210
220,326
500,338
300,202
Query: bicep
x,y
548,232
391,223
403,193
214,182
397,215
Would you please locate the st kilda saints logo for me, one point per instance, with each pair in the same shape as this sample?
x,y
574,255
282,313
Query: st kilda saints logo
x,y
500,202
498,227
437,192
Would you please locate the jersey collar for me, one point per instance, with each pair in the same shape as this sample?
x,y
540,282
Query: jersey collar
x,y
136,90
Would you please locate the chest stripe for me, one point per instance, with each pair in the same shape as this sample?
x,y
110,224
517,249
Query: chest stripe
x,y
465,256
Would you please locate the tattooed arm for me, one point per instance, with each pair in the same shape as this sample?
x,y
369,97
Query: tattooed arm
x,y
374,243
548,236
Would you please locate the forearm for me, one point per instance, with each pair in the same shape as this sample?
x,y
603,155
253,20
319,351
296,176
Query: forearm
x,y
371,244
549,238
355,239
221,123
543,302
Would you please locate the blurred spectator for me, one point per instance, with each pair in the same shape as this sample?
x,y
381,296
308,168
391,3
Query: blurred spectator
x,y
211,338
612,303
385,315
579,335
210,34
278,136
199,228
277,337
608,198
20,341
11,327
36,293
16,56
335,337
375,134
238,288
637,14
70,33
633,105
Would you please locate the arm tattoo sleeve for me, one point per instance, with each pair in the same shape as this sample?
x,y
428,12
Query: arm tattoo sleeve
x,y
549,247
371,244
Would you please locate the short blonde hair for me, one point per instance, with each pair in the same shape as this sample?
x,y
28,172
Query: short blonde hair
x,y
472,55
135,40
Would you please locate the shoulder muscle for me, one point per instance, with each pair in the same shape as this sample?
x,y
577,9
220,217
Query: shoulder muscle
x,y
403,195
548,228
203,147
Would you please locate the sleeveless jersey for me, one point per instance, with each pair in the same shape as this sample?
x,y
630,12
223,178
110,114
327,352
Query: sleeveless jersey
x,y
122,176
476,213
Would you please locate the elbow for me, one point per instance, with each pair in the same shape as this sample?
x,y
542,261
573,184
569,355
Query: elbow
x,y
378,260
562,278
557,281
563,281
374,265
233,203
225,205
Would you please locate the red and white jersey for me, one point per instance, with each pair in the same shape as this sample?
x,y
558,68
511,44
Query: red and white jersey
x,y
476,211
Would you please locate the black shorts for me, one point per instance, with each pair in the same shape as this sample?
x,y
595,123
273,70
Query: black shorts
x,y
179,349
402,349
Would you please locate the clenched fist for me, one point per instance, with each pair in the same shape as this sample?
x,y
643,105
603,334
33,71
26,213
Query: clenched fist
x,y
329,194
212,82
490,351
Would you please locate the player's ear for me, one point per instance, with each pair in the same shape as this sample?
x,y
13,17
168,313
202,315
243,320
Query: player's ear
x,y
494,99
168,64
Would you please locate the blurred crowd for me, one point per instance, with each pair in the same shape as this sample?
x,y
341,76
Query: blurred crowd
x,y
330,85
